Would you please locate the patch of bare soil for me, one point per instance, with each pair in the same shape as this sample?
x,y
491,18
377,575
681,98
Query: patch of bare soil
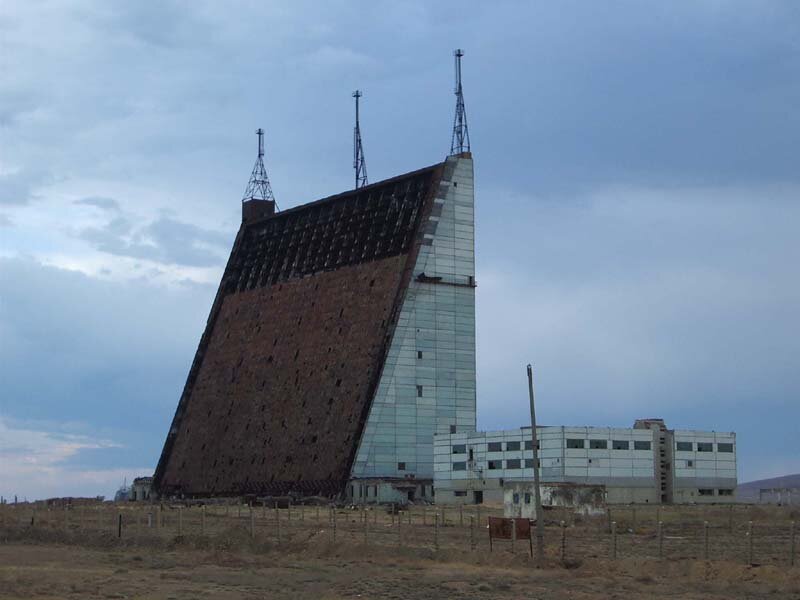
x,y
43,569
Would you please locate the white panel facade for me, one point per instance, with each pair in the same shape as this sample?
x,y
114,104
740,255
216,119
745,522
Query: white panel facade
x,y
624,460
428,381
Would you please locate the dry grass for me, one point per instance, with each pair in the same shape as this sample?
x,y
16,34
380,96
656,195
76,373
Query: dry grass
x,y
82,558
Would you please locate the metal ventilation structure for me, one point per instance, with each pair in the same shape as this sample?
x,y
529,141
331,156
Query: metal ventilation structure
x,y
459,143
258,188
359,163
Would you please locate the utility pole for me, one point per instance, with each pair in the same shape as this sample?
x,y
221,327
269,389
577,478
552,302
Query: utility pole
x,y
359,163
459,143
537,495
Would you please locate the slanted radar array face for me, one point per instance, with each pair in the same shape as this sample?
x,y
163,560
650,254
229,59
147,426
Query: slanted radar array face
x,y
285,372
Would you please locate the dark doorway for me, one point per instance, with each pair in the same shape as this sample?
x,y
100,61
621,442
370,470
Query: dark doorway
x,y
477,497
410,495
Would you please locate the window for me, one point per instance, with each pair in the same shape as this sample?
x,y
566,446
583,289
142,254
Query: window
x,y
620,445
495,447
459,493
571,443
689,464
419,353
527,498
513,463
529,463
471,454
684,446
705,447
401,466
529,445
419,391
495,464
460,466
452,428
705,492
459,448
512,445
638,445
724,447
516,498
727,492
598,444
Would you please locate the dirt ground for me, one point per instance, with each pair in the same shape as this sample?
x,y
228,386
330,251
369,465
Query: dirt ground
x,y
231,551
41,569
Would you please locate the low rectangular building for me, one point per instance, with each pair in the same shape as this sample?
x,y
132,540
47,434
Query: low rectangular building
x,y
644,464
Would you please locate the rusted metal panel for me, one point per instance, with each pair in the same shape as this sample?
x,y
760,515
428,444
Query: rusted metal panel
x,y
281,385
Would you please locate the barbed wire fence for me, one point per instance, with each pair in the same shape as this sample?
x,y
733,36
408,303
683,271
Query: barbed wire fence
x,y
753,535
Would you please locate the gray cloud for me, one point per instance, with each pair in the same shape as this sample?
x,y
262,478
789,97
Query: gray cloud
x,y
18,187
634,224
165,240
101,202
80,350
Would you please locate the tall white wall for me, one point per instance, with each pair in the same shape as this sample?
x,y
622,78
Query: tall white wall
x,y
438,321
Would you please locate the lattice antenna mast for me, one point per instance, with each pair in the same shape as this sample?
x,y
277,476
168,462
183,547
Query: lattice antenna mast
x,y
258,188
460,141
359,162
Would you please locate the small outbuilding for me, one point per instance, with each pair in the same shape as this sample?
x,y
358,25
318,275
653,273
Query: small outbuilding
x,y
518,498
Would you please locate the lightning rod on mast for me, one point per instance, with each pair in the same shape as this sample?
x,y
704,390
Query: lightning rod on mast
x,y
460,141
259,188
359,162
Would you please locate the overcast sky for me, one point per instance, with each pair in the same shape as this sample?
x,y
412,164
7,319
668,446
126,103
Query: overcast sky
x,y
636,185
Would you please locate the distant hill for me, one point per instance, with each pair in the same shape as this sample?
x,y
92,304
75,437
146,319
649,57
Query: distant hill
x,y
748,492
784,481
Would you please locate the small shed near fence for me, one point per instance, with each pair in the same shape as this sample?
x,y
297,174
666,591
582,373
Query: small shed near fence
x,y
518,498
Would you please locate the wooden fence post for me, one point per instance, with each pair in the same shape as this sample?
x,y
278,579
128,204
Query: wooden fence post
x,y
277,524
436,531
613,540
660,539
563,541
791,544
472,533
399,526
180,520
460,515
513,534
119,525
750,542
252,523
366,527
203,520
705,540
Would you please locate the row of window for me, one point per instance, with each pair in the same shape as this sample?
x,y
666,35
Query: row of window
x,y
511,463
497,447
578,444
710,492
571,443
703,447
